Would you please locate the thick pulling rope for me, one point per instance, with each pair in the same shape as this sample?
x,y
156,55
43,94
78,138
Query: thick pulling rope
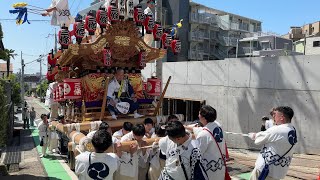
x,y
234,133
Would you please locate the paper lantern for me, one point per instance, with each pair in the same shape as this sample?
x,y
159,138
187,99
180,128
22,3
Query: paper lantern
x,y
154,86
51,61
50,75
90,23
148,24
164,40
78,30
176,46
102,18
64,37
130,10
157,32
72,88
122,8
142,59
113,13
138,15
107,57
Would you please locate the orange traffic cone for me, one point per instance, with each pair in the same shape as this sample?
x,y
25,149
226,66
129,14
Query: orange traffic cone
x,y
319,175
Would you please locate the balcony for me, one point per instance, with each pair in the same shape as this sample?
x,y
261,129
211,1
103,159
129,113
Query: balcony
x,y
228,41
194,17
204,19
198,36
240,26
247,50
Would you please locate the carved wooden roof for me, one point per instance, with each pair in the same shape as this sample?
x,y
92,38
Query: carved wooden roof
x,y
124,42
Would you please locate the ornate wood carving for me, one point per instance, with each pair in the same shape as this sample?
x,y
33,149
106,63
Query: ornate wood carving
x,y
124,42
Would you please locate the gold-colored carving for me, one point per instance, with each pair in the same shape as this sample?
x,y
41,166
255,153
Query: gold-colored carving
x,y
124,42
74,49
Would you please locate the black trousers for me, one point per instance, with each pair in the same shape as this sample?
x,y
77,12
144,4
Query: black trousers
x,y
26,123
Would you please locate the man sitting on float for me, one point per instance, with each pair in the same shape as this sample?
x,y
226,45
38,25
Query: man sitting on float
x,y
121,97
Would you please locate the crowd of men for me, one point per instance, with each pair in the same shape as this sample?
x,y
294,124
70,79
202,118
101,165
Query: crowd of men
x,y
184,152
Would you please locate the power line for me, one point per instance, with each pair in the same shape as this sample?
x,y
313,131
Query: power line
x,y
30,55
34,20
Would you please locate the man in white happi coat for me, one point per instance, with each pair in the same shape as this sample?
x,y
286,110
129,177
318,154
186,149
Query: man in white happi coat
x,y
103,126
183,157
120,90
59,10
43,134
133,165
98,164
277,151
126,128
54,106
158,158
209,138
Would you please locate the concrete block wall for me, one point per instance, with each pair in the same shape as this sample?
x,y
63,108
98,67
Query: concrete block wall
x,y
244,90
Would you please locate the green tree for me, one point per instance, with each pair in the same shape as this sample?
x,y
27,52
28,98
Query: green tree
x,y
16,89
42,88
6,55
3,117
1,33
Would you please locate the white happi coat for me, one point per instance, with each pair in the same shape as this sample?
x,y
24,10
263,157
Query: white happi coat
x,y
90,136
43,132
213,162
129,166
118,134
173,165
114,86
62,14
103,163
276,140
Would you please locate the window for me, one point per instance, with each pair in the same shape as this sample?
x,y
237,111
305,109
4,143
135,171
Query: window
x,y
265,45
316,43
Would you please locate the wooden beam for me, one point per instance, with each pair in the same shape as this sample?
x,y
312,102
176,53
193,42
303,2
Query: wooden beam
x,y
125,146
156,112
104,102
86,126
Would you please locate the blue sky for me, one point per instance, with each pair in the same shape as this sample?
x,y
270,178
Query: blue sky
x,y
276,15
31,38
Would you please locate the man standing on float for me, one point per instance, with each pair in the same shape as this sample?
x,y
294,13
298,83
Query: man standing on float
x,y
59,10
120,90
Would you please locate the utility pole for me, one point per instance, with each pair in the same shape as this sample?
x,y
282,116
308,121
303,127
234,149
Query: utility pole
x,y
158,18
22,87
40,61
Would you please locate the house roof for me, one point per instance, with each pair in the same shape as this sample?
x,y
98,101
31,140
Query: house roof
x,y
3,67
32,78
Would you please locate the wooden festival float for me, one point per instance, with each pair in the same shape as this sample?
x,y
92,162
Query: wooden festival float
x,y
82,71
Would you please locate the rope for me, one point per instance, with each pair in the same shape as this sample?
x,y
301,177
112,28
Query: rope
x,y
37,7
